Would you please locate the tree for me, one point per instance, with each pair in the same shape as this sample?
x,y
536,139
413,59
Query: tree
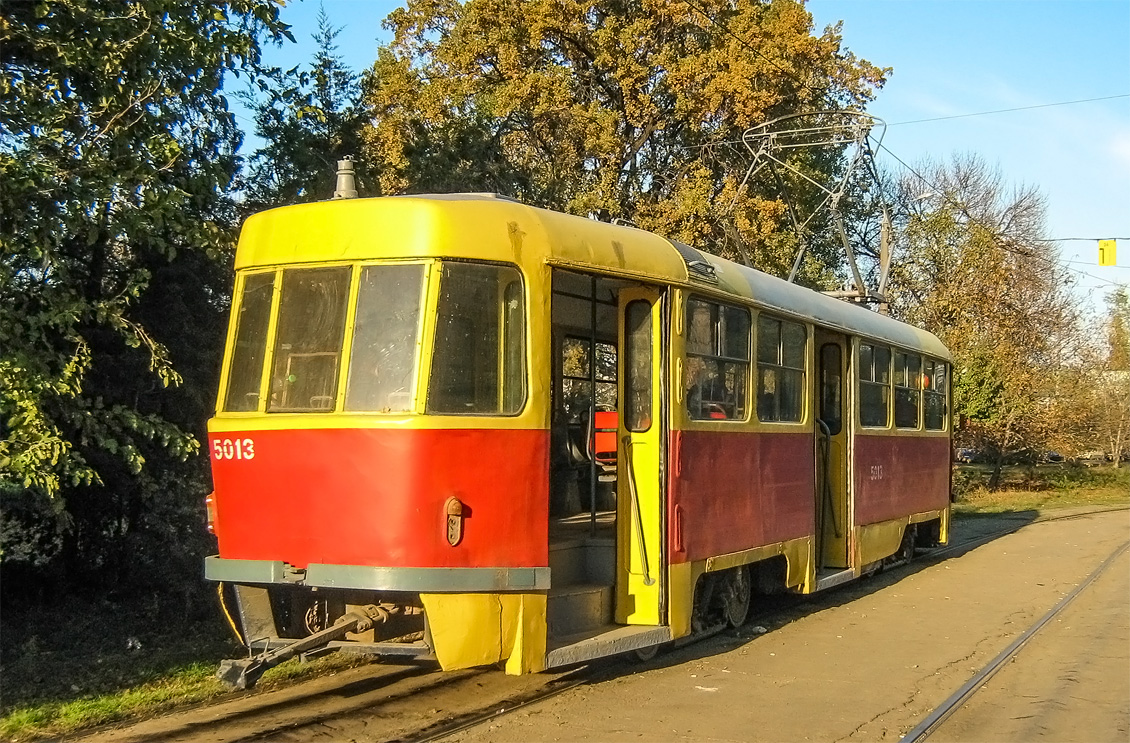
x,y
1112,385
625,110
308,120
116,150
972,267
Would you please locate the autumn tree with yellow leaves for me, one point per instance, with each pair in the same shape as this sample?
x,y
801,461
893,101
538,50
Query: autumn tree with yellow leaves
x,y
623,110
973,267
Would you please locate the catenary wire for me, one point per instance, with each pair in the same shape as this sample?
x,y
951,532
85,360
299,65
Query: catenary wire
x,y
1010,110
1004,245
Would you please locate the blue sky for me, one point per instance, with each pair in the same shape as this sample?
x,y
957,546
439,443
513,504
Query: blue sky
x,y
952,58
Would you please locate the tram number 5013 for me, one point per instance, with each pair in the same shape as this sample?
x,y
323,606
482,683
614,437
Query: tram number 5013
x,y
876,472
233,449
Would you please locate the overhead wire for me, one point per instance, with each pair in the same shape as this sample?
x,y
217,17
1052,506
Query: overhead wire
x,y
1059,263
963,116
1010,110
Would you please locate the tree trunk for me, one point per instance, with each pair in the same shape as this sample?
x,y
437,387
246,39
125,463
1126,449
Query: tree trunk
x,y
995,478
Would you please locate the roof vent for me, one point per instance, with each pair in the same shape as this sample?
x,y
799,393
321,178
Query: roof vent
x,y
698,268
346,185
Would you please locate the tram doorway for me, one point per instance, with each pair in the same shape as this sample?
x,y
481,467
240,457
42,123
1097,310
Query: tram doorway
x,y
604,442
833,511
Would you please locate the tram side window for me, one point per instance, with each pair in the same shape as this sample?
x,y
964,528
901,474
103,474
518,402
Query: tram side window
x,y
479,359
308,341
780,369
246,370
935,383
874,385
908,383
717,360
382,365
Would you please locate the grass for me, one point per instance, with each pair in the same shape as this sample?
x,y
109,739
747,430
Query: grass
x,y
78,665
177,687
1024,488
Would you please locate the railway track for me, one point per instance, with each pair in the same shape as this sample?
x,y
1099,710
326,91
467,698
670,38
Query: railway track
x,y
587,675
416,705
958,699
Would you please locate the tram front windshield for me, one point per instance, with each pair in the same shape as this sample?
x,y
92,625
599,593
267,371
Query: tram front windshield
x,y
296,343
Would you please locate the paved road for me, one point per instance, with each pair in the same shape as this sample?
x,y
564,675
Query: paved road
x,y
1068,683
866,662
872,666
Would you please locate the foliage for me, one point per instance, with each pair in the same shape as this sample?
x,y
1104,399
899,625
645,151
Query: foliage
x,y
1024,488
116,149
972,268
308,119
107,663
1112,380
625,110
1118,330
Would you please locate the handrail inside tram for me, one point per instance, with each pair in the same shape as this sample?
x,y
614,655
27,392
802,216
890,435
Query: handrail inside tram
x,y
826,485
637,518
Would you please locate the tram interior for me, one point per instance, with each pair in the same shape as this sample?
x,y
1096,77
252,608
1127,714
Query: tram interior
x,y
582,528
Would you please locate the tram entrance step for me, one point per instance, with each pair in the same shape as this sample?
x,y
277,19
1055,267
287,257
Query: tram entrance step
x,y
581,560
578,608
828,577
603,641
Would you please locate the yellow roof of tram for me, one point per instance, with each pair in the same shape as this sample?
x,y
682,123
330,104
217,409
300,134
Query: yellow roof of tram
x,y
495,228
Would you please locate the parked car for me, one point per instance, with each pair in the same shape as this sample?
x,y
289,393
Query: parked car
x,y
967,456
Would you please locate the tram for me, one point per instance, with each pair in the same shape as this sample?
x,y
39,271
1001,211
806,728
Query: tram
x,y
460,428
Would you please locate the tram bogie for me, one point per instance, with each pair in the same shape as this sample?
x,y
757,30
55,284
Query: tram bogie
x,y
491,433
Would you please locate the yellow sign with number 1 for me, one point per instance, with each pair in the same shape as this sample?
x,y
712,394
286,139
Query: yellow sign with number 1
x,y
1106,253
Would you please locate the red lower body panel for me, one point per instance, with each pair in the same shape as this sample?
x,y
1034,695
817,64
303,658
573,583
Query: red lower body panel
x,y
897,476
376,496
735,491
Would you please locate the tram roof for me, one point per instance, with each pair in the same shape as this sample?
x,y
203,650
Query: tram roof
x,y
507,230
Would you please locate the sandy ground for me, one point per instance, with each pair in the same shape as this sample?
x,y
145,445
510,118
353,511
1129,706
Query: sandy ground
x,y
865,662
1069,683
871,667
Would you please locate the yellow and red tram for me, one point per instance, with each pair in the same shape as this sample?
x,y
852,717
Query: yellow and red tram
x,y
505,434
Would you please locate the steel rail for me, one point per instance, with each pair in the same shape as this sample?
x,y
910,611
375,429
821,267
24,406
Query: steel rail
x,y
586,675
935,719
443,730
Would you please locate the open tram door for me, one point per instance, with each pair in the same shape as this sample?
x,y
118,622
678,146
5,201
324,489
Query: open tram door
x,y
639,539
833,507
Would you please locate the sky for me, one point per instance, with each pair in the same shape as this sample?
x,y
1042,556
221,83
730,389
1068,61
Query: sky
x,y
951,58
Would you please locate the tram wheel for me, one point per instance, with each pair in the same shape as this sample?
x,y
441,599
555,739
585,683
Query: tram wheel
x,y
645,654
736,593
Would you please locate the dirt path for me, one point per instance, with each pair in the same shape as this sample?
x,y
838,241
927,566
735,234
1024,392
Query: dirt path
x,y
866,662
866,669
1068,683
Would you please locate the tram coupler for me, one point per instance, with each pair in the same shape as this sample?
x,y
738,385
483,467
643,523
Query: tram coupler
x,y
243,673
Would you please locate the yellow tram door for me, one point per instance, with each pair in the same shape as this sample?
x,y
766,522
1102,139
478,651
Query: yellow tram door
x,y
639,517
833,525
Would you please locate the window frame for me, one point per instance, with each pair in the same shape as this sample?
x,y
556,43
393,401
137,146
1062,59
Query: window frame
x,y
233,340
429,339
931,391
742,392
803,392
339,356
427,266
915,389
888,417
